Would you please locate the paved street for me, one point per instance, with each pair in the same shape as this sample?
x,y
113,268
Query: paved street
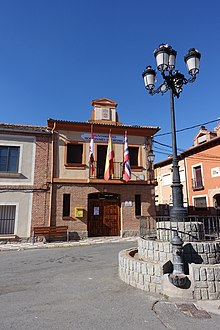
x,y
79,288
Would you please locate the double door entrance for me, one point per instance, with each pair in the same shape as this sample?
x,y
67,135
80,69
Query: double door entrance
x,y
103,215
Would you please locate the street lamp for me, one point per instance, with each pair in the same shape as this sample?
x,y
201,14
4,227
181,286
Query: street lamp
x,y
150,158
173,81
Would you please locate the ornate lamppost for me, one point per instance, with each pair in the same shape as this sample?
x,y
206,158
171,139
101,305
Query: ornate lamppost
x,y
173,81
150,158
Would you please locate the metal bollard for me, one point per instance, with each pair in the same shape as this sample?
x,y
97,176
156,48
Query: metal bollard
x,y
33,238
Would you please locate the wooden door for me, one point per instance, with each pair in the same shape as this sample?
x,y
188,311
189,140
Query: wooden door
x,y
111,217
103,218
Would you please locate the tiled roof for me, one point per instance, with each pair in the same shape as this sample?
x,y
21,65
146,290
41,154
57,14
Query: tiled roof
x,y
190,151
101,124
23,128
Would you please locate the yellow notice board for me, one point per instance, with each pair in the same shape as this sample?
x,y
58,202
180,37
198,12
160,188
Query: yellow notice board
x,y
79,212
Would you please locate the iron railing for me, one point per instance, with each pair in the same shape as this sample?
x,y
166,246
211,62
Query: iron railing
x,y
7,226
99,170
192,228
197,184
7,219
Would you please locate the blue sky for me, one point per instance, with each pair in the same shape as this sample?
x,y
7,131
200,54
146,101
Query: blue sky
x,y
56,56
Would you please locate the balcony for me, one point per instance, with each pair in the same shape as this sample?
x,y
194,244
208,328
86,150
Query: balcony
x,y
99,170
137,174
197,184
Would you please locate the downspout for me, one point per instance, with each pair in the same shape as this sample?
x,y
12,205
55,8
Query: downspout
x,y
121,216
51,175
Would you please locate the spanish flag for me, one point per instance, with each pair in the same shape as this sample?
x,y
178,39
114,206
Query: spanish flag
x,y
109,165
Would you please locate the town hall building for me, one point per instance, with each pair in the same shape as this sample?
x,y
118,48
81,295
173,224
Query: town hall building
x,y
82,199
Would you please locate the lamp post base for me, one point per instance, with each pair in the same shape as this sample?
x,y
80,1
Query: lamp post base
x,y
178,213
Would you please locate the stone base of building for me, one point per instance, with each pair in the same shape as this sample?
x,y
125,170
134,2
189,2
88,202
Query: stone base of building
x,y
149,266
77,235
130,233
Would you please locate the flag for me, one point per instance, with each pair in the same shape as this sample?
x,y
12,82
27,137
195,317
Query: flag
x,y
109,165
126,167
91,152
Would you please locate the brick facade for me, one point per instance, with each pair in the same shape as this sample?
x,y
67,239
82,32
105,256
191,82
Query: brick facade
x,y
41,195
74,177
130,224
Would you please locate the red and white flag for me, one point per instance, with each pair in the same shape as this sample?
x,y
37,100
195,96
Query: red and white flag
x,y
127,167
109,162
91,152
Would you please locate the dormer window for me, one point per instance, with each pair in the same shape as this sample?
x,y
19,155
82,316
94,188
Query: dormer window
x,y
201,139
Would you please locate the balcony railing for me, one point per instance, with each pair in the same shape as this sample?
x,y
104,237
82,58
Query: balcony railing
x,y
197,184
99,171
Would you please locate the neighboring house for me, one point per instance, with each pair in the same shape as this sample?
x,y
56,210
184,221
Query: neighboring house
x,y
199,173
24,194
88,204
163,191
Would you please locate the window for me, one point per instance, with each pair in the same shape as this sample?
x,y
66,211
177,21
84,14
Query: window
x,y
9,157
74,153
137,205
166,179
133,153
66,205
7,219
197,181
182,176
200,202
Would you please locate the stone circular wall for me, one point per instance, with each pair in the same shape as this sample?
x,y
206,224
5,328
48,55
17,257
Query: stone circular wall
x,y
145,268
193,252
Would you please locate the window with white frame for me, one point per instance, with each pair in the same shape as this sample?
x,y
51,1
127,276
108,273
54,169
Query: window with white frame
x,y
166,179
200,202
9,158
7,219
197,181
182,176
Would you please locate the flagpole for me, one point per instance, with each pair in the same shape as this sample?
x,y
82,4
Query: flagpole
x,y
126,163
91,153
109,162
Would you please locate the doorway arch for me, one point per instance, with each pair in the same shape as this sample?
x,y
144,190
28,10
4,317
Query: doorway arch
x,y
216,203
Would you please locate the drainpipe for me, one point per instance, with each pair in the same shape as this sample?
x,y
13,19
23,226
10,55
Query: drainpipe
x,y
121,216
51,175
